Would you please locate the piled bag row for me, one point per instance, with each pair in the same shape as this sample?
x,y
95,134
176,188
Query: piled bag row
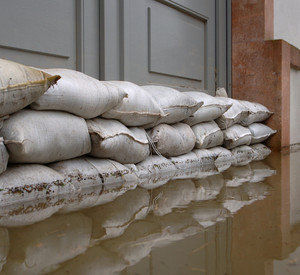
x,y
60,116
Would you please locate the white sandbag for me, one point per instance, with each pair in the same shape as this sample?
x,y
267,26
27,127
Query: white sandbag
x,y
40,248
177,193
261,151
111,220
185,161
176,105
211,109
173,140
45,136
208,135
21,85
30,181
223,159
111,139
257,113
242,155
260,132
3,156
206,157
79,94
236,135
235,114
208,188
4,246
137,109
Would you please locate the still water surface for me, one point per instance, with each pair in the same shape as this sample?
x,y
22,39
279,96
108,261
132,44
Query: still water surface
x,y
243,221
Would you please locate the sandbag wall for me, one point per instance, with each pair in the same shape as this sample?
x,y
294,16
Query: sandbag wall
x,y
64,130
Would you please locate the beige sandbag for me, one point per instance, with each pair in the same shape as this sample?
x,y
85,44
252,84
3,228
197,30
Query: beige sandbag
x,y
260,132
261,151
185,161
242,155
173,140
176,105
45,136
257,113
111,139
21,85
211,109
235,114
4,246
223,158
137,109
3,156
208,135
40,248
79,94
236,135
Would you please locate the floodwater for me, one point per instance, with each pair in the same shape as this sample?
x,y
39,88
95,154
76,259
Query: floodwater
x,y
243,221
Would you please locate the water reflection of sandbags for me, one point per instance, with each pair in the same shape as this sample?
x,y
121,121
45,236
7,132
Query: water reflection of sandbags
x,y
96,260
111,220
4,246
208,188
40,248
177,193
237,175
234,198
209,213
260,171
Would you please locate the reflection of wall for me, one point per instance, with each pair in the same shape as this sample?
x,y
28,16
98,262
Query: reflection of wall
x,y
295,189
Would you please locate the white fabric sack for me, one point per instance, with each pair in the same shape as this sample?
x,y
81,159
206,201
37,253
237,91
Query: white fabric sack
x,y
260,132
208,135
261,151
111,139
4,246
236,135
30,181
3,156
45,136
235,114
223,158
176,105
242,155
185,161
206,157
38,244
173,140
137,109
21,85
211,109
79,94
257,113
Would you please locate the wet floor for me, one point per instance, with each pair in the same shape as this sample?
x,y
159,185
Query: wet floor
x,y
245,220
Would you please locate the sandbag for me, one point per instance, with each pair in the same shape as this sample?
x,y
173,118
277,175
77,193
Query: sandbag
x,y
111,139
30,181
137,109
242,155
223,158
257,113
236,135
211,109
260,132
21,85
261,151
208,135
176,105
173,140
3,156
185,161
79,94
235,114
45,136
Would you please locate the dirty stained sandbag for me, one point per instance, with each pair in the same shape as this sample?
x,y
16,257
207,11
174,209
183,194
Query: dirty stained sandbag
x,y
223,158
137,109
21,85
45,136
257,112
236,135
173,140
260,132
3,156
79,94
176,105
261,151
185,161
34,249
242,155
208,135
111,139
211,109
235,114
